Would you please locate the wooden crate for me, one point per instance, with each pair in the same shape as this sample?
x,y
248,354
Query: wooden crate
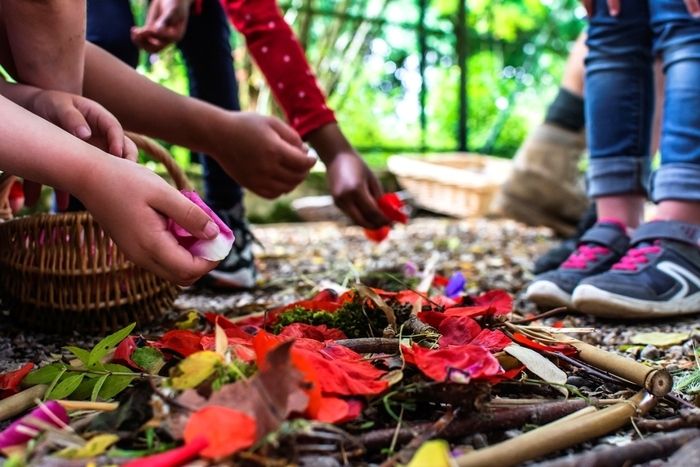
x,y
456,184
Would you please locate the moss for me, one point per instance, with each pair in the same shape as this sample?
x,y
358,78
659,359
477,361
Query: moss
x,y
354,318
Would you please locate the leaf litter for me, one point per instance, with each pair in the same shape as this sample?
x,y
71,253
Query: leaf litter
x,y
274,381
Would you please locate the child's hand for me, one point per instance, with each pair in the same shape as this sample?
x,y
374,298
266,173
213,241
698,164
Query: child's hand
x,y
85,119
261,153
355,189
166,23
133,205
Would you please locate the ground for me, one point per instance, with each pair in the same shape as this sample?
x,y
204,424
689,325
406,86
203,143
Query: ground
x,y
296,260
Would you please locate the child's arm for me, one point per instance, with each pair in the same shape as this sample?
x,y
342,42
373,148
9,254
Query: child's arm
x,y
261,153
47,41
129,201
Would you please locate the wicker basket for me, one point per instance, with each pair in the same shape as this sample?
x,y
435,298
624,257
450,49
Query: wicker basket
x,y
61,272
460,184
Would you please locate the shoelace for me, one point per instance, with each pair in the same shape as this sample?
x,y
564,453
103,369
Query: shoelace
x,y
637,256
583,255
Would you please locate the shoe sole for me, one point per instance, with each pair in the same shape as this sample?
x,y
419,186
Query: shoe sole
x,y
228,281
547,294
591,300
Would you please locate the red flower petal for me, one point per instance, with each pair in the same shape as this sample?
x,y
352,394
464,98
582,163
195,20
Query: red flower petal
x,y
182,341
123,352
499,302
493,340
320,332
393,208
172,458
457,363
377,235
226,430
457,330
10,381
527,342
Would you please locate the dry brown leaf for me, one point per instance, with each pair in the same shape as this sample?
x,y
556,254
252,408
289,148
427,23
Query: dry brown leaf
x,y
269,397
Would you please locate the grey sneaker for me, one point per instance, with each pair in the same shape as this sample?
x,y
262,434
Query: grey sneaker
x,y
597,251
237,270
658,277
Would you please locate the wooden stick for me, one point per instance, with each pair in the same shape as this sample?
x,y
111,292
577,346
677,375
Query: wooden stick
x,y
556,436
371,345
484,422
86,405
686,420
636,452
20,402
655,380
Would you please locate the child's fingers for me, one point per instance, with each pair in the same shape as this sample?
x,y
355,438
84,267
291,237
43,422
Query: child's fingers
x,y
176,264
693,7
185,213
131,152
286,132
296,160
71,120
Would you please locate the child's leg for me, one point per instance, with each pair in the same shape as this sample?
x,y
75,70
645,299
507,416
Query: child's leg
x,y
619,109
660,274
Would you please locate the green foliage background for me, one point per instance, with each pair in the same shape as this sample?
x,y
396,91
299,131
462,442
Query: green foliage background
x,y
365,53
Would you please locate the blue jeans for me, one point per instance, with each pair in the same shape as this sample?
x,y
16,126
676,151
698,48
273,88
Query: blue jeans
x,y
207,53
619,89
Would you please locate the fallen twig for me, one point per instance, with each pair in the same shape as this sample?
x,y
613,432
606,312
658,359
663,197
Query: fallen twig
x,y
686,455
86,405
405,454
546,314
480,423
640,451
559,435
371,344
685,420
18,403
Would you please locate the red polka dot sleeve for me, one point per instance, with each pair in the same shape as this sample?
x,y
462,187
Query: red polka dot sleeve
x,y
280,57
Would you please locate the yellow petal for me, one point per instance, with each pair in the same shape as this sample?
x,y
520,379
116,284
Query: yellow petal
x,y
435,453
95,447
189,322
195,369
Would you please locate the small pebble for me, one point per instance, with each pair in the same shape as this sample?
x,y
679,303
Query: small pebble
x,y
650,353
674,352
576,381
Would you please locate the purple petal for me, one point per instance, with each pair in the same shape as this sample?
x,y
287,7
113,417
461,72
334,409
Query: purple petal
x,y
455,286
410,269
51,412
215,249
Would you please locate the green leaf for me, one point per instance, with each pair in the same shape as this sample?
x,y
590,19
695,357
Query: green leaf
x,y
55,381
660,339
84,390
66,387
114,384
98,387
103,347
82,354
43,375
690,383
148,358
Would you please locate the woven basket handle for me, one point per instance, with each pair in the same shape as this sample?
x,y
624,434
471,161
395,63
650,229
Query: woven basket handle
x,y
158,153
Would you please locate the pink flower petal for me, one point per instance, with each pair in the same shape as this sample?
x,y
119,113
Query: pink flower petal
x,y
215,249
